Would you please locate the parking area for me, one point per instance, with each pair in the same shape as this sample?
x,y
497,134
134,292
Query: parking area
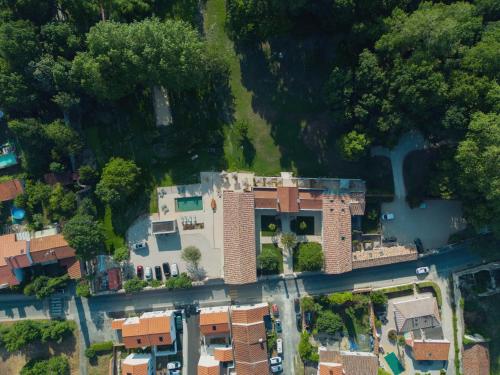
x,y
168,248
433,224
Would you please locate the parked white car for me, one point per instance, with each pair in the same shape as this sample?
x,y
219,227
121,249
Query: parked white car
x,y
139,245
275,361
279,346
277,368
174,368
148,273
388,216
174,270
422,270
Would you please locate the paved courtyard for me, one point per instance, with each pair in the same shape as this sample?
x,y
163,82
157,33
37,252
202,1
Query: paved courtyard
x,y
433,224
168,248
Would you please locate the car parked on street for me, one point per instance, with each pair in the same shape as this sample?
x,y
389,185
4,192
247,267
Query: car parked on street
x,y
277,326
166,269
276,369
275,361
422,270
298,321
140,272
174,368
174,270
388,216
419,245
158,273
279,346
148,273
275,309
296,305
178,321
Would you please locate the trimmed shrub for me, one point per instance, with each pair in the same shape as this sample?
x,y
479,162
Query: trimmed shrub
x,y
310,256
55,365
134,285
183,281
83,289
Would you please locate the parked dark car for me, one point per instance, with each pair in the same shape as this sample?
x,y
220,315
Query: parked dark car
x,y
140,272
158,273
298,321
277,326
178,321
419,245
166,269
296,304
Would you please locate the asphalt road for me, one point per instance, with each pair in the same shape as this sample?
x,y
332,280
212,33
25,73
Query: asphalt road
x,y
89,313
192,351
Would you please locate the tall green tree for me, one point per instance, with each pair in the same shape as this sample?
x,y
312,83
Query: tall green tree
x,y
479,173
85,235
119,179
120,57
18,43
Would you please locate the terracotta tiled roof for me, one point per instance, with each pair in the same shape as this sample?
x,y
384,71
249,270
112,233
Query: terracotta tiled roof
x,y
249,314
136,364
7,277
150,329
117,323
214,329
10,190
287,199
73,266
214,317
250,353
476,359
260,368
431,350
417,313
208,365
249,333
330,369
223,354
337,247
139,369
11,248
240,259
266,198
353,363
43,249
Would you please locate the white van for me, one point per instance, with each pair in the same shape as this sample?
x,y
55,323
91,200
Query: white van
x,y
174,270
148,273
279,346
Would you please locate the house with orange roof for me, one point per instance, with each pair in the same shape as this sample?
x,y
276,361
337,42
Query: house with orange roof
x,y
476,359
216,346
249,339
155,330
19,251
9,190
138,364
334,362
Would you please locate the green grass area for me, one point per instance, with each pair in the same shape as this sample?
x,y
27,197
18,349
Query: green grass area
x,y
278,252
113,240
398,291
267,154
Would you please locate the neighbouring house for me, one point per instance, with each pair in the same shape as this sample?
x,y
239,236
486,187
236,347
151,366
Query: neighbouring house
x,y
9,190
230,211
155,330
114,279
65,178
249,339
333,362
138,364
19,251
416,313
419,321
476,359
216,346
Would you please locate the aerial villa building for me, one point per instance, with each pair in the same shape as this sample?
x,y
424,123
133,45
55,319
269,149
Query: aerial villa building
x,y
333,362
232,210
155,330
19,251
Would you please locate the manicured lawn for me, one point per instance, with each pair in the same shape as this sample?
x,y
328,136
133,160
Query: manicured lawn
x,y
277,252
481,316
113,240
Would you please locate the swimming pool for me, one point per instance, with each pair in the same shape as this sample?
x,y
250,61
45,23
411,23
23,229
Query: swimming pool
x,y
188,204
6,160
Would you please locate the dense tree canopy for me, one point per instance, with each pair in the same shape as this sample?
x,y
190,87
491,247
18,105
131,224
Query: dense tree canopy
x,y
85,235
119,179
121,57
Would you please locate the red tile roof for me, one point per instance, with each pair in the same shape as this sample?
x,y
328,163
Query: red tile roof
x,y
11,248
10,190
47,248
114,280
73,266
330,369
223,354
266,198
7,277
249,314
288,199
431,350
147,330
337,247
476,359
136,369
240,257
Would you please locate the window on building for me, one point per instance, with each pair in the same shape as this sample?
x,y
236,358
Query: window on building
x,y
138,341
214,328
161,338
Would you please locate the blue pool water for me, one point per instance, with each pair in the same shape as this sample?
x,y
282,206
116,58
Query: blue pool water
x,y
7,160
18,213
